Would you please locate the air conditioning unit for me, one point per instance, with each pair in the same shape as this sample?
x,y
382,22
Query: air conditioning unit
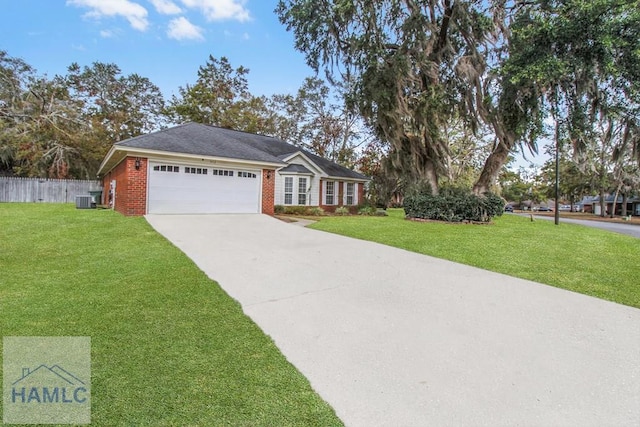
x,y
83,202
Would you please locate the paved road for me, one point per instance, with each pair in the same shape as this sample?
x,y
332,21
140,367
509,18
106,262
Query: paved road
x,y
628,229
393,338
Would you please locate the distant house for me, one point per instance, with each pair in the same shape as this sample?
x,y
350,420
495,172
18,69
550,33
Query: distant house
x,y
195,168
591,204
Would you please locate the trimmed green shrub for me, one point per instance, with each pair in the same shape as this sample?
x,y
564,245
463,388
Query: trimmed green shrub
x,y
296,210
367,210
454,205
342,210
371,211
316,211
278,209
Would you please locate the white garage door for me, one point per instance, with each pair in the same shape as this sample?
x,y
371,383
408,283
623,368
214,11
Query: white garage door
x,y
176,189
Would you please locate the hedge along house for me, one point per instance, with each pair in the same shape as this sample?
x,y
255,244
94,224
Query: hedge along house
x,y
195,168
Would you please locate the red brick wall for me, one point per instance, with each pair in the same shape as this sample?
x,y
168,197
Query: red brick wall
x,y
106,181
268,191
131,187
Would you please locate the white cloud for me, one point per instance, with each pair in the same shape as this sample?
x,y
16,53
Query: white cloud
x,y
132,12
166,7
245,36
219,10
182,29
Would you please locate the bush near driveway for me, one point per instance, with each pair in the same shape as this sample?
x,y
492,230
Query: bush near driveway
x,y
453,205
169,346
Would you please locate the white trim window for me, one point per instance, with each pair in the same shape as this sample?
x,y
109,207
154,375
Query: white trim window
x,y
288,190
350,193
329,193
302,191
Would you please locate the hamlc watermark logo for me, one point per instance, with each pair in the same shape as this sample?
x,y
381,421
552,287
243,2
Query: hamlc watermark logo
x,y
46,380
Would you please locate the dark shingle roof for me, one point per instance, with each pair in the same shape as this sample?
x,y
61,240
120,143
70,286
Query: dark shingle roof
x,y
198,139
296,168
282,150
194,138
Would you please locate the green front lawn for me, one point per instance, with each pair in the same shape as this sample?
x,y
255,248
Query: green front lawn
x,y
582,259
169,347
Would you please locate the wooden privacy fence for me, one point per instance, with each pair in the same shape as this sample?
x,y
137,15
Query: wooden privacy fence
x,y
43,190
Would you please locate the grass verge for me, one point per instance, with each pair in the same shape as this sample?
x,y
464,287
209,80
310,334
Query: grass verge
x,y
581,259
169,346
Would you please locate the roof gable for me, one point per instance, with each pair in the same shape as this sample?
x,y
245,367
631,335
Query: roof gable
x,y
285,151
300,158
296,169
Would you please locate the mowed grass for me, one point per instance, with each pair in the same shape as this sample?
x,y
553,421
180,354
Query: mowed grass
x,y
581,259
169,347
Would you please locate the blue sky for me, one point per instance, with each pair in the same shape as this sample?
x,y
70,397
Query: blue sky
x,y
164,40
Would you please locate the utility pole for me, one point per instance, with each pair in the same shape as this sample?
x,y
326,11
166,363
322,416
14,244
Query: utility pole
x,y
556,215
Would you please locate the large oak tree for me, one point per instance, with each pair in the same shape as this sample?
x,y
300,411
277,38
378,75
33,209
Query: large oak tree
x,y
416,66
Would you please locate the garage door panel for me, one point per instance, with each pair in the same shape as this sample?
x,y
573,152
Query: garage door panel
x,y
181,192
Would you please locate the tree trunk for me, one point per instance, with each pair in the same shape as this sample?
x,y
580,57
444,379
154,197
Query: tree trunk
x,y
603,204
496,160
624,204
613,205
430,176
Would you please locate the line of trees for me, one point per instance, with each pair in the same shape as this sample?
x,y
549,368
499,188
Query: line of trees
x,y
415,93
62,127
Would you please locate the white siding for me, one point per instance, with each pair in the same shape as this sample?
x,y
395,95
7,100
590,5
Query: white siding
x,y
312,196
312,181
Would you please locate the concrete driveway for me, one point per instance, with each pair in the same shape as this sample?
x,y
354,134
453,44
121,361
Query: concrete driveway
x,y
393,338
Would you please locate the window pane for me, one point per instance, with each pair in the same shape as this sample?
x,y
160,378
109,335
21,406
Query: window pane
x,y
288,190
302,191
350,193
329,199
